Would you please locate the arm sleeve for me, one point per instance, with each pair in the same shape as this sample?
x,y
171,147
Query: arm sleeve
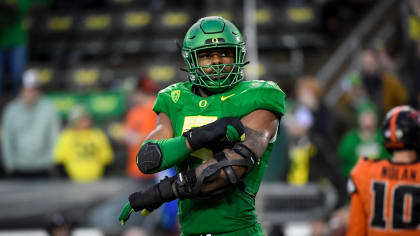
x,y
357,219
173,151
7,143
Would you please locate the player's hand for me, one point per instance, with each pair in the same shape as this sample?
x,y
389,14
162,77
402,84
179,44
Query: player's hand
x,y
227,128
148,200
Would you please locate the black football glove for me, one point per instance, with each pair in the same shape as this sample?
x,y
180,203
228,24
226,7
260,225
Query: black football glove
x,y
227,128
148,200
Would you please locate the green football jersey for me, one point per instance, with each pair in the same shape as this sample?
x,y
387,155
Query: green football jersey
x,y
234,209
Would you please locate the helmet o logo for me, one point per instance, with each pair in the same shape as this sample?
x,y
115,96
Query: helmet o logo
x,y
202,103
215,40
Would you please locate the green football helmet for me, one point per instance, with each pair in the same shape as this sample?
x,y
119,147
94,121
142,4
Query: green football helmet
x,y
208,33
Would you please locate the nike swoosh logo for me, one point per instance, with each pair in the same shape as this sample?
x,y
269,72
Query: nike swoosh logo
x,y
224,98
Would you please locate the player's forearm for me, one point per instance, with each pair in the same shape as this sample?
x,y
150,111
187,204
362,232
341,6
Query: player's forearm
x,y
222,179
256,143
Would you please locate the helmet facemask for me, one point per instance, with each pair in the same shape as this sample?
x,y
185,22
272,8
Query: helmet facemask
x,y
197,40
219,79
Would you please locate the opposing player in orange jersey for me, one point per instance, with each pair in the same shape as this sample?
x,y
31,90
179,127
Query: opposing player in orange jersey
x,y
385,194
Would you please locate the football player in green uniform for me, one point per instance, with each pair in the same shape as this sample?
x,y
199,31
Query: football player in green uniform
x,y
217,130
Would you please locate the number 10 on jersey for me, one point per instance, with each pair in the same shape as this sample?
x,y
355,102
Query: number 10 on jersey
x,y
404,206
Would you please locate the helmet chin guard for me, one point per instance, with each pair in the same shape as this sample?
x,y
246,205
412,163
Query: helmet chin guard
x,y
211,33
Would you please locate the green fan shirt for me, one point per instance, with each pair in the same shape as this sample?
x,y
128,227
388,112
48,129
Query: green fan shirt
x,y
13,32
352,147
235,209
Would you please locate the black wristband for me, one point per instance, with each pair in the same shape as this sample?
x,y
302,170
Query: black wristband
x,y
165,189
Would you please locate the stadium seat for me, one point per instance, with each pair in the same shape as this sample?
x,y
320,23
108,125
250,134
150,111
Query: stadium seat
x,y
133,30
134,21
84,77
51,35
129,45
173,24
94,49
266,20
50,76
164,72
93,33
128,4
96,24
301,21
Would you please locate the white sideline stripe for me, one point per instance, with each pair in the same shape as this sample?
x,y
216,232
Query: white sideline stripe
x,y
41,232
35,232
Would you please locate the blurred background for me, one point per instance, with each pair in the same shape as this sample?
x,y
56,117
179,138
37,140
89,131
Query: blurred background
x,y
78,80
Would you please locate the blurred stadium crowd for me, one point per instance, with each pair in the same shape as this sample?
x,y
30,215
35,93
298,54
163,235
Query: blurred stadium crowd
x,y
78,81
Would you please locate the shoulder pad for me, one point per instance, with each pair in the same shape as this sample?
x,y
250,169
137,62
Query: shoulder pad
x,y
258,84
259,94
361,167
169,97
172,87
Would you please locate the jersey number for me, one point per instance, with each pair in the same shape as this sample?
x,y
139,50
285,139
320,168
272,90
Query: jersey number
x,y
401,194
197,121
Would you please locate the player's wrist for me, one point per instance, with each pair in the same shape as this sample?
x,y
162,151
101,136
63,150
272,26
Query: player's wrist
x,y
153,197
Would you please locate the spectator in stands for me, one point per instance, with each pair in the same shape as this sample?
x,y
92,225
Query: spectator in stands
x,y
410,13
82,151
353,96
139,122
308,162
364,141
30,127
385,62
317,117
310,126
383,88
308,158
374,83
13,39
312,148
